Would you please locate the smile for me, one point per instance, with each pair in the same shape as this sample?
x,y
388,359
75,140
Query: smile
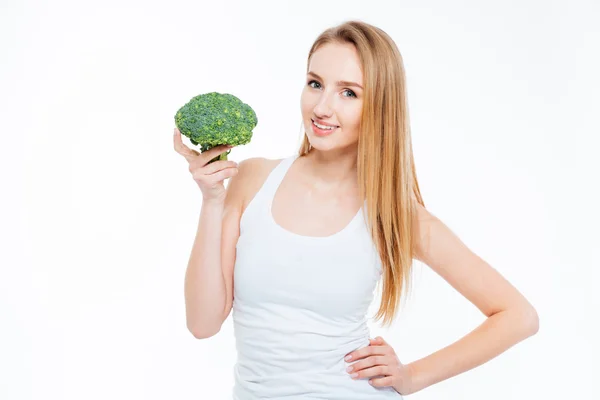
x,y
322,130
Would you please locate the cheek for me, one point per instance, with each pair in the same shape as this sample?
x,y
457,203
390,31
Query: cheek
x,y
305,103
352,116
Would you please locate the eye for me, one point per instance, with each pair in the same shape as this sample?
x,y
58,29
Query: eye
x,y
352,94
350,91
309,82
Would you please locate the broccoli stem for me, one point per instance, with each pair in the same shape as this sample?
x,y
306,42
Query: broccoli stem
x,y
222,156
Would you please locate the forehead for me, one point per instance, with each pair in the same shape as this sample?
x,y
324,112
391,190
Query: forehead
x,y
334,61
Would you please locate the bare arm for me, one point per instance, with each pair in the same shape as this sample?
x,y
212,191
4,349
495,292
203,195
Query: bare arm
x,y
204,283
209,276
511,318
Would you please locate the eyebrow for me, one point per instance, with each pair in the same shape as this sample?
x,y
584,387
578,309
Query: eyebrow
x,y
339,83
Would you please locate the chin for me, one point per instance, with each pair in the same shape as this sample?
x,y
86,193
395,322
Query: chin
x,y
329,146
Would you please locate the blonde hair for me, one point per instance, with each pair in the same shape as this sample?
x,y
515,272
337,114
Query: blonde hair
x,y
386,169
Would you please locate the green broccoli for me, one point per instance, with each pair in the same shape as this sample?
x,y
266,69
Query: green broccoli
x,y
213,119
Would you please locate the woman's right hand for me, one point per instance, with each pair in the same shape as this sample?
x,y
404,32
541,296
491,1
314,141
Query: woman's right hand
x,y
209,177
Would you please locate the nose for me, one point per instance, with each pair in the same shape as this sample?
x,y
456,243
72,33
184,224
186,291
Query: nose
x,y
324,107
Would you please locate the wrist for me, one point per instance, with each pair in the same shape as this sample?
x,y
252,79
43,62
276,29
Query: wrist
x,y
415,378
213,202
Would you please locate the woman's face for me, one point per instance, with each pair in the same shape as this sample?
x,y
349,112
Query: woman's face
x,y
330,100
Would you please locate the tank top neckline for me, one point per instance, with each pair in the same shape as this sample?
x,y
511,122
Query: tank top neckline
x,y
281,171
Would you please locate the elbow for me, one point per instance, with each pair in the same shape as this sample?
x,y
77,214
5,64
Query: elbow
x,y
531,320
535,322
200,333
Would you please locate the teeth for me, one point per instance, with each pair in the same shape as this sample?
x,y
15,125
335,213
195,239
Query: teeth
x,y
323,126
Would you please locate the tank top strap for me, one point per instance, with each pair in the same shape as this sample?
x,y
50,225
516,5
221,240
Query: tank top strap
x,y
276,176
258,210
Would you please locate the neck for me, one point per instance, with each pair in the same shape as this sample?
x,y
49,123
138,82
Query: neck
x,y
331,170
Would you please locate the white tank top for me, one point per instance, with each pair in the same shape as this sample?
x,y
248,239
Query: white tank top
x,y
300,305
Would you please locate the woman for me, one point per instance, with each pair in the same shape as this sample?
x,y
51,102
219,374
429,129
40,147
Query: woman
x,y
302,263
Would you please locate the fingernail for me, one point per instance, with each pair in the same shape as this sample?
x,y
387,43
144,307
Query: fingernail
x,y
348,358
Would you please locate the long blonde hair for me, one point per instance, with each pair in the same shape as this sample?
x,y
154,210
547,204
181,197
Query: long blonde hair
x,y
386,170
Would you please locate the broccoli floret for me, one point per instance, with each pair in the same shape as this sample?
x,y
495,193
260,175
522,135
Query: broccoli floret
x,y
213,119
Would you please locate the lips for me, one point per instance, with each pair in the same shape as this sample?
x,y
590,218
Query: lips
x,y
322,132
323,123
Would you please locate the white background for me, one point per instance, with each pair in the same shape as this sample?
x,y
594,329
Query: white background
x,y
99,213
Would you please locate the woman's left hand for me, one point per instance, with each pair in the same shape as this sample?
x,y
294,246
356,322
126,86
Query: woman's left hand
x,y
379,359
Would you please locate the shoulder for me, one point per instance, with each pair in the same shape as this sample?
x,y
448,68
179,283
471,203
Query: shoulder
x,y
424,223
252,173
255,170
437,245
257,165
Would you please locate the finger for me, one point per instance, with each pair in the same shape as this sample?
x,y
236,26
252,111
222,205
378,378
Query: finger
x,y
380,349
371,350
181,148
208,155
223,174
377,370
360,353
378,341
218,165
382,382
367,363
177,138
